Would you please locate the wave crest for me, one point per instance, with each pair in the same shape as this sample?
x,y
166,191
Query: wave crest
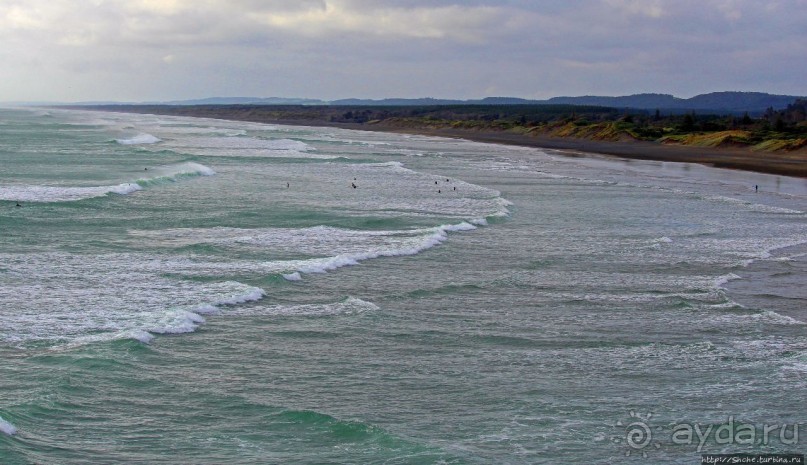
x,y
7,428
139,139
45,194
63,194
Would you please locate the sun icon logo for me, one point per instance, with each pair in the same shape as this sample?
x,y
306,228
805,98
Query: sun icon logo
x,y
638,434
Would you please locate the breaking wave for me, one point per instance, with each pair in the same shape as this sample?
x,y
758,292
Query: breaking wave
x,y
139,139
336,247
44,194
7,428
63,194
347,306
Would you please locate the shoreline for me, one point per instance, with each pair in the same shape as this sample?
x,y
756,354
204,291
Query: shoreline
x,y
792,164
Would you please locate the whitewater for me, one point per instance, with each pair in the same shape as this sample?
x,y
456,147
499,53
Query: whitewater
x,y
179,290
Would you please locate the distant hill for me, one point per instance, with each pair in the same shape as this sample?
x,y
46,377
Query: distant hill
x,y
755,103
428,101
244,101
718,102
741,101
724,102
643,101
395,102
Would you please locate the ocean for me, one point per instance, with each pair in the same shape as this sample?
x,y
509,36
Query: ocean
x,y
198,291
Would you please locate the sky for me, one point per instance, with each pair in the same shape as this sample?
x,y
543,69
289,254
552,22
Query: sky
x,y
157,50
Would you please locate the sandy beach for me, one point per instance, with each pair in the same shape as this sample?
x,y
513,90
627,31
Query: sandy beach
x,y
793,163
789,163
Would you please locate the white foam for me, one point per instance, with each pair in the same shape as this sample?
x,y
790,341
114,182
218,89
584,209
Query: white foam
x,y
178,322
125,188
42,194
97,298
769,316
293,276
249,296
173,172
287,144
135,334
723,280
464,226
738,251
334,247
236,144
28,193
207,309
348,306
758,207
143,336
174,129
139,139
7,428
730,305
415,245
184,321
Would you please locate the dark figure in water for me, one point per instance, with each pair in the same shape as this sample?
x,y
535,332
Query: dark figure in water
x,y
353,184
287,185
756,188
435,183
446,179
439,191
18,204
455,187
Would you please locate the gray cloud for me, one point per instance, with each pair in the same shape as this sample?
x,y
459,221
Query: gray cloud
x,y
167,49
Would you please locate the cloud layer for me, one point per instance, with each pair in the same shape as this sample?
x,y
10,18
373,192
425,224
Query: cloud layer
x,y
169,49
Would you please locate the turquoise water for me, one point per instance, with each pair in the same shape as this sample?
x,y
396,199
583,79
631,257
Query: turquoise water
x,y
178,290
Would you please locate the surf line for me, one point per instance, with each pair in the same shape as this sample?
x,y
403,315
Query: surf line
x,y
432,238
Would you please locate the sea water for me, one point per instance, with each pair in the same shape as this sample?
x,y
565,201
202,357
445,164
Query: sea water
x,y
177,290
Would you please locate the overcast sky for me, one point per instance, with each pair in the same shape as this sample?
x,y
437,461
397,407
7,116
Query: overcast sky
x,y
135,50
